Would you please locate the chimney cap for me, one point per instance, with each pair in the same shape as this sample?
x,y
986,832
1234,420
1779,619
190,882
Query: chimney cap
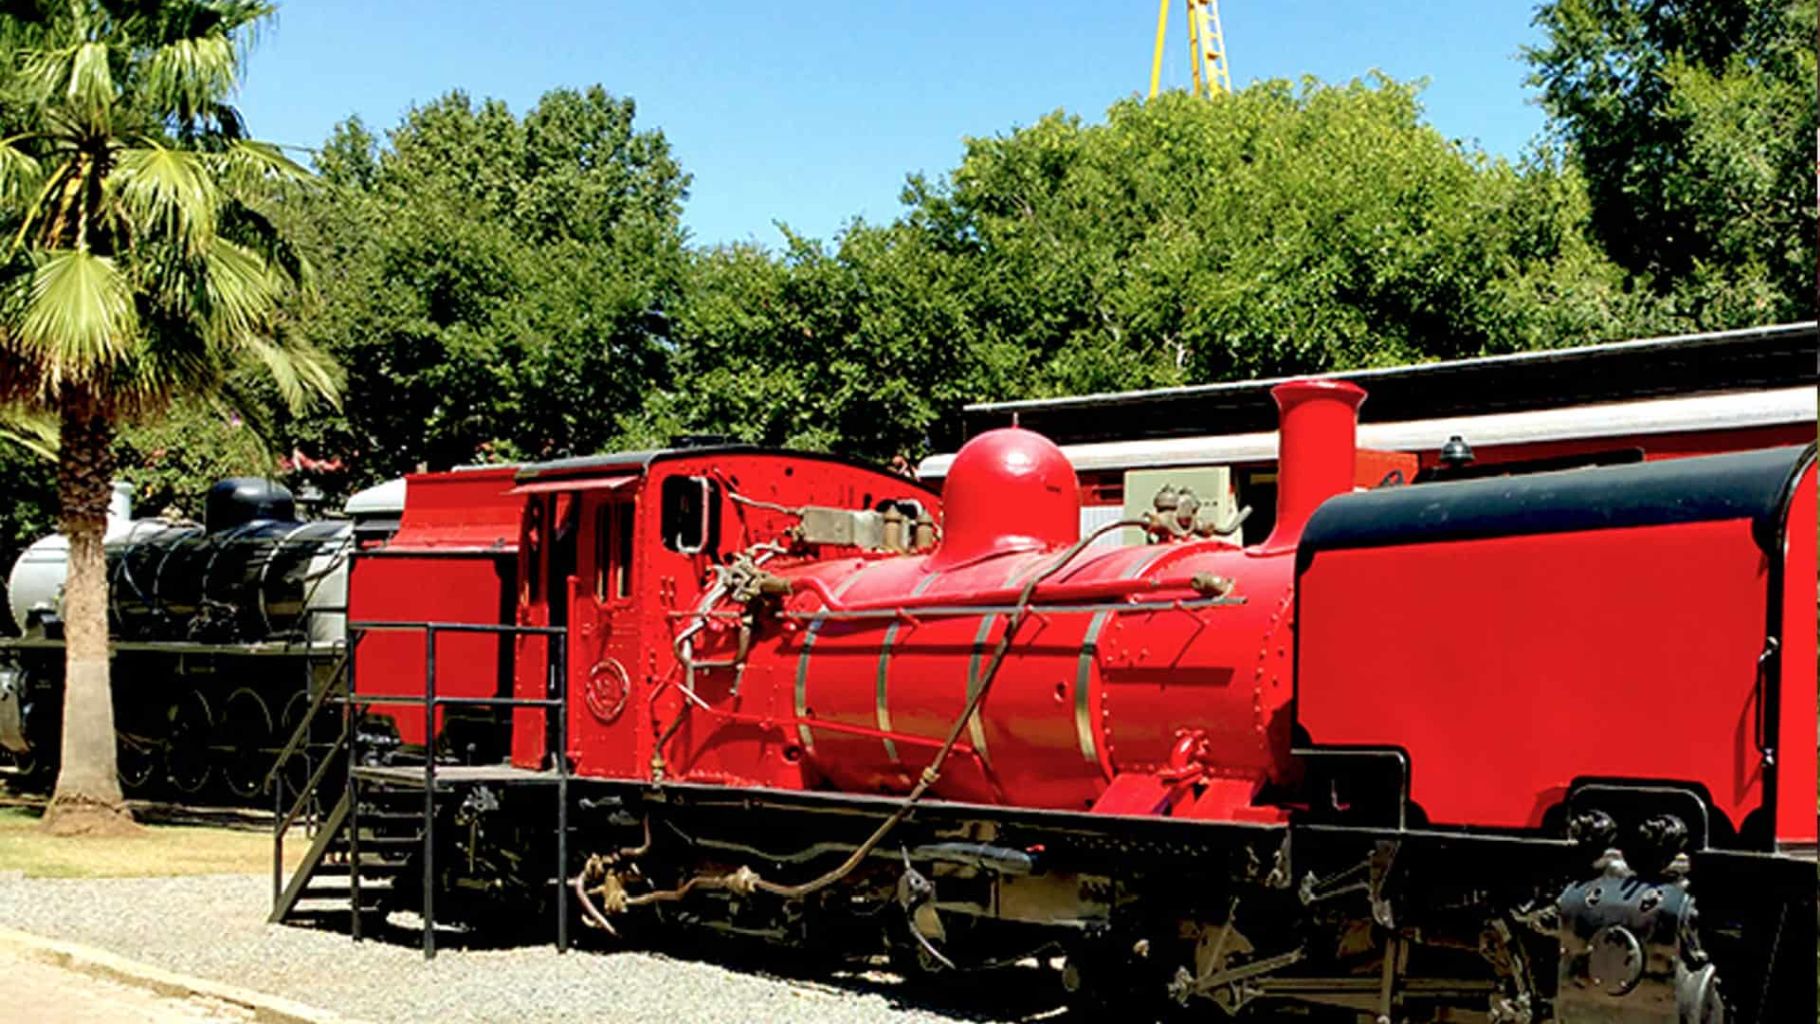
x,y
1294,391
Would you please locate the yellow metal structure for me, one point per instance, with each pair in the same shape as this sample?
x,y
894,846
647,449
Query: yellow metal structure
x,y
1206,47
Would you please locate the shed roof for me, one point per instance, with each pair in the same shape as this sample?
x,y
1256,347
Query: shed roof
x,y
1751,359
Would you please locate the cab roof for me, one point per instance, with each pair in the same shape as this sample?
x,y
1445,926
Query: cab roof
x,y
640,462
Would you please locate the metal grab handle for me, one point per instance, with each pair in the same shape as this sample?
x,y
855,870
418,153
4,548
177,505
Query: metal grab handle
x,y
1772,648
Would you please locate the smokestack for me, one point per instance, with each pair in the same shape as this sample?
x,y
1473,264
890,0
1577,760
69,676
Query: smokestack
x,y
1317,446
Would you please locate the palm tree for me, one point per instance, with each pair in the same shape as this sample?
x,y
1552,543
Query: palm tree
x,y
141,263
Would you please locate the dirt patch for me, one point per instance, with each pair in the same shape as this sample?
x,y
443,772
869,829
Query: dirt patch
x,y
77,816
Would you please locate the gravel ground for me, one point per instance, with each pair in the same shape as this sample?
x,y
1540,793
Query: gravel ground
x,y
214,927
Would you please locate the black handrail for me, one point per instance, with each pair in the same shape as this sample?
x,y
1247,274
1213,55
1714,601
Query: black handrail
x,y
303,795
298,742
300,735
557,638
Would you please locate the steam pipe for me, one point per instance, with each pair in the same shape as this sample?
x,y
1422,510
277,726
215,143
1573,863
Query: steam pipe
x,y
1317,448
1089,590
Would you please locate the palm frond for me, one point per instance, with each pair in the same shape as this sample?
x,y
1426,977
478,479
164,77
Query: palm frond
x,y
252,227
43,74
229,125
187,77
34,213
241,291
170,192
251,168
79,317
167,277
91,81
302,372
21,175
32,429
171,364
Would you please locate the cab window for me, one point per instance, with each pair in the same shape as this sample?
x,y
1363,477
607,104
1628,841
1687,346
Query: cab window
x,y
613,550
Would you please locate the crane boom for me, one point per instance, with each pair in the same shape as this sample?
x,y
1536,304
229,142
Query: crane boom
x,y
1206,48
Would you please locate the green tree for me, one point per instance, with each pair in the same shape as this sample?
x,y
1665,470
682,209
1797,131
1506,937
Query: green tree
x,y
1281,229
1694,126
497,284
145,267
861,349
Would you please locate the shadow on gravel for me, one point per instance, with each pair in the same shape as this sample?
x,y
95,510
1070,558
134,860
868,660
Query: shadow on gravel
x,y
1025,991
1019,992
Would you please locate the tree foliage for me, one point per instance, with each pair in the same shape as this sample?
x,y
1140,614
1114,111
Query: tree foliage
x,y
498,284
504,285
1285,228
1694,126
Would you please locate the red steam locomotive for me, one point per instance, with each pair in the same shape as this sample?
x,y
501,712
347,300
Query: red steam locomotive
x,y
1450,751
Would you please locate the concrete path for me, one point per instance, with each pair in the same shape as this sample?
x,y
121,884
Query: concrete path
x,y
42,993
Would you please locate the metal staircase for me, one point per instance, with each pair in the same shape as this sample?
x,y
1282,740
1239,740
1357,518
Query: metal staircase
x,y
379,834
351,873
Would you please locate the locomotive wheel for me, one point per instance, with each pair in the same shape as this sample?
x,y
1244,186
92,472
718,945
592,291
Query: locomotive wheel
x,y
23,772
244,743
187,758
136,762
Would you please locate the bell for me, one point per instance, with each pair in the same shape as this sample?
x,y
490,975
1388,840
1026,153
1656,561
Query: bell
x,y
1456,452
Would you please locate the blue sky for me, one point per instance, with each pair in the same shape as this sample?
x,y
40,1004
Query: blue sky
x,y
811,113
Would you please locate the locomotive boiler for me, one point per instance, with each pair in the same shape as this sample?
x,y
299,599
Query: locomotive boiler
x,y
221,631
1451,751
1155,678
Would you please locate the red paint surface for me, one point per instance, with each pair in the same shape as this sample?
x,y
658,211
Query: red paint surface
x,y
449,562
1009,490
1058,727
425,588
742,737
1507,668
1796,745
466,509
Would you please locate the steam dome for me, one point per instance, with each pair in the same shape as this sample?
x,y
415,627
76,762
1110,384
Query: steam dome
x,y
1008,490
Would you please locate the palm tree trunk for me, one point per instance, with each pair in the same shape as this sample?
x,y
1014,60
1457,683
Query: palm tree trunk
x,y
87,798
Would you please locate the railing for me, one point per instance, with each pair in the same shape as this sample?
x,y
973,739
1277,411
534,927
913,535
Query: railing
x,y
556,702
298,743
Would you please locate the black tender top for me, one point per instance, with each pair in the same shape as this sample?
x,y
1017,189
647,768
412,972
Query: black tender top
x,y
1752,485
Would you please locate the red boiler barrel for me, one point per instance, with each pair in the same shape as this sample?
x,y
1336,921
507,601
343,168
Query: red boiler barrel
x,y
1092,687
1082,696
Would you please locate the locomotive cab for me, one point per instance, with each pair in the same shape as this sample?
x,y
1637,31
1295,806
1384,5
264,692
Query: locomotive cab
x,y
616,550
